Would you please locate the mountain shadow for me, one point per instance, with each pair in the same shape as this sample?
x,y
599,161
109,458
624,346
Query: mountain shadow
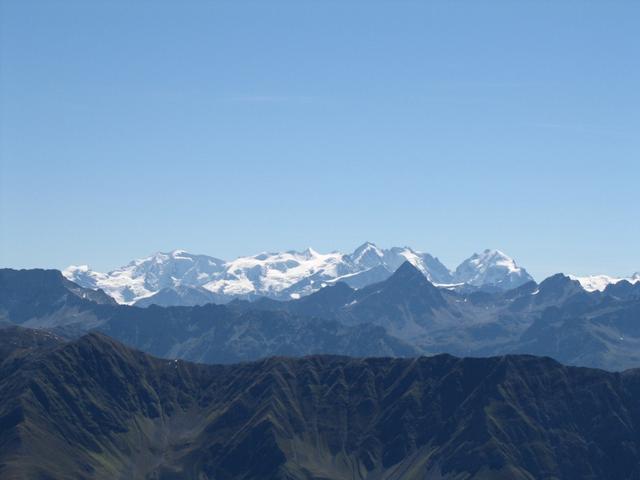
x,y
95,409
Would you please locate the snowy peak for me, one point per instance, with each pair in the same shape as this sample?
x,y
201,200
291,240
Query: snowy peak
x,y
144,277
83,276
430,266
593,283
284,275
270,274
367,255
491,268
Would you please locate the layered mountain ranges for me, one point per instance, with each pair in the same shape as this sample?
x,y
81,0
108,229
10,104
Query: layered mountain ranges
x,y
181,278
333,384
92,408
403,315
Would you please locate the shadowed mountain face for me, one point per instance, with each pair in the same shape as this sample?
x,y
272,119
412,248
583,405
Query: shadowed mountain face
x,y
180,295
407,304
27,294
211,333
557,318
93,408
404,315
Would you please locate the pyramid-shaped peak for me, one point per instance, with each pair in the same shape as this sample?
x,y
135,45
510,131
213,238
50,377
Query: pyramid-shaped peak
x,y
408,271
367,255
407,284
365,247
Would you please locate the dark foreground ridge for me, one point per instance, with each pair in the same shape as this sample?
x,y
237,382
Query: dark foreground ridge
x,y
93,408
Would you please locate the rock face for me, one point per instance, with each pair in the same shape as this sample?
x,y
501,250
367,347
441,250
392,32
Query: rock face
x,y
404,315
211,333
94,409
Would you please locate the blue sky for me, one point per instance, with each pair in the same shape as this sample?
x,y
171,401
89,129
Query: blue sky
x,y
230,128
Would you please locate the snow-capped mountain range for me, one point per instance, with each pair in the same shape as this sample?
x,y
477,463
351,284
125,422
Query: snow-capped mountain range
x,y
598,283
285,275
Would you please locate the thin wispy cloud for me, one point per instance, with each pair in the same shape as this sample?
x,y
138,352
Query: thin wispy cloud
x,y
580,128
264,99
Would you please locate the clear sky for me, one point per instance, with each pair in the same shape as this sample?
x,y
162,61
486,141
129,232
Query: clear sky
x,y
234,127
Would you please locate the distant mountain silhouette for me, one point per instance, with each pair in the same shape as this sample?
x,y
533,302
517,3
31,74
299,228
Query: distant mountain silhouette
x,y
403,315
211,333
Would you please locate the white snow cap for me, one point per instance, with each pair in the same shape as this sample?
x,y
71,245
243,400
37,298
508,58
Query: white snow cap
x,y
593,283
287,274
491,267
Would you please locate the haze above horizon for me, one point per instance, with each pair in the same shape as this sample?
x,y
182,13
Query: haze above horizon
x,y
231,128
